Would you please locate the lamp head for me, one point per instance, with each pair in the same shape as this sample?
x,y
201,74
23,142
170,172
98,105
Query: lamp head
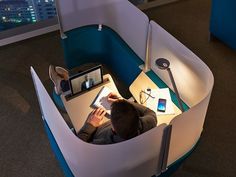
x,y
162,63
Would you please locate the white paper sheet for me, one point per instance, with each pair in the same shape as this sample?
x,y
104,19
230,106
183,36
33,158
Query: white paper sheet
x,y
101,99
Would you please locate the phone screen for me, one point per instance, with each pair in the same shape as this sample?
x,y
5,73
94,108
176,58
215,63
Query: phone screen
x,y
161,105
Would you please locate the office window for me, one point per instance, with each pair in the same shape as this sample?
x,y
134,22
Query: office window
x,y
15,13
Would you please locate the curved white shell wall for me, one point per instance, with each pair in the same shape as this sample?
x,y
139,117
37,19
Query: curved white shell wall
x,y
194,81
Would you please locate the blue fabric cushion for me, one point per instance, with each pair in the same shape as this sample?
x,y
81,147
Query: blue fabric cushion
x,y
87,45
58,101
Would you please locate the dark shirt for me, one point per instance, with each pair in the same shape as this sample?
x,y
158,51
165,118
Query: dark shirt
x,y
104,133
90,84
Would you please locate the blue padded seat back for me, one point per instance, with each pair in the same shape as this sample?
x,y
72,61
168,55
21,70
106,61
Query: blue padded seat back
x,y
87,44
83,45
122,60
58,101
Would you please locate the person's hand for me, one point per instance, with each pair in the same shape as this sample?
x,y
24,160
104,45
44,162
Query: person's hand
x,y
96,117
112,97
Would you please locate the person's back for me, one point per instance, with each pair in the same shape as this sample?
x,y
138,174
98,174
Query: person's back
x,y
128,120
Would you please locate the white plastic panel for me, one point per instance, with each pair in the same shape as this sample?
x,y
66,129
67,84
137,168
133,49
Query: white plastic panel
x,y
137,157
194,81
193,78
186,130
120,15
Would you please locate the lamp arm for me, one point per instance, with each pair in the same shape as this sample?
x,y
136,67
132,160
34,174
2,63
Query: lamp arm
x,y
175,89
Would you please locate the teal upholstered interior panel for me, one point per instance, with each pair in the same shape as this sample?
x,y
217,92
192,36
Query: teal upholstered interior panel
x,y
87,44
83,45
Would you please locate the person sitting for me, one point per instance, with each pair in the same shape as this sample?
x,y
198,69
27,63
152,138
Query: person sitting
x,y
128,119
87,83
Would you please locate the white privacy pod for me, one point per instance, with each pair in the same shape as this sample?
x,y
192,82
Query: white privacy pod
x,y
148,153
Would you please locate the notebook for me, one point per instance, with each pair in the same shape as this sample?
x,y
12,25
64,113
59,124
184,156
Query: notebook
x,y
101,99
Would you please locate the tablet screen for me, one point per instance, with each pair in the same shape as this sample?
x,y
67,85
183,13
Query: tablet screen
x,y
85,80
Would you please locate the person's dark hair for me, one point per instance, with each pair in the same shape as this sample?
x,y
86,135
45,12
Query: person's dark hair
x,y
125,119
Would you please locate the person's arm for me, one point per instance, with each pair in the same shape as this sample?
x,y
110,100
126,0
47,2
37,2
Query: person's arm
x,y
112,97
147,117
86,132
94,120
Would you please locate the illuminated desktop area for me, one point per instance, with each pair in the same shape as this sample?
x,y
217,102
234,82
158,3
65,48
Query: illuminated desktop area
x,y
81,103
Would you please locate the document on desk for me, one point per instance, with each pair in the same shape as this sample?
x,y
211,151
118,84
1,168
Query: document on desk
x,y
163,93
101,99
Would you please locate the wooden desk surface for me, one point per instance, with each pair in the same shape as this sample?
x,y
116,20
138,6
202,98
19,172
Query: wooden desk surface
x,y
142,82
78,108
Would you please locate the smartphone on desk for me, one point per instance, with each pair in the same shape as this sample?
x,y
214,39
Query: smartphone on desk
x,y
161,106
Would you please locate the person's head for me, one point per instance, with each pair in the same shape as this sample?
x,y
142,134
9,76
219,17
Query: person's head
x,y
124,119
86,77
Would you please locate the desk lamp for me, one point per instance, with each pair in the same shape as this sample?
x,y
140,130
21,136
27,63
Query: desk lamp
x,y
164,64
